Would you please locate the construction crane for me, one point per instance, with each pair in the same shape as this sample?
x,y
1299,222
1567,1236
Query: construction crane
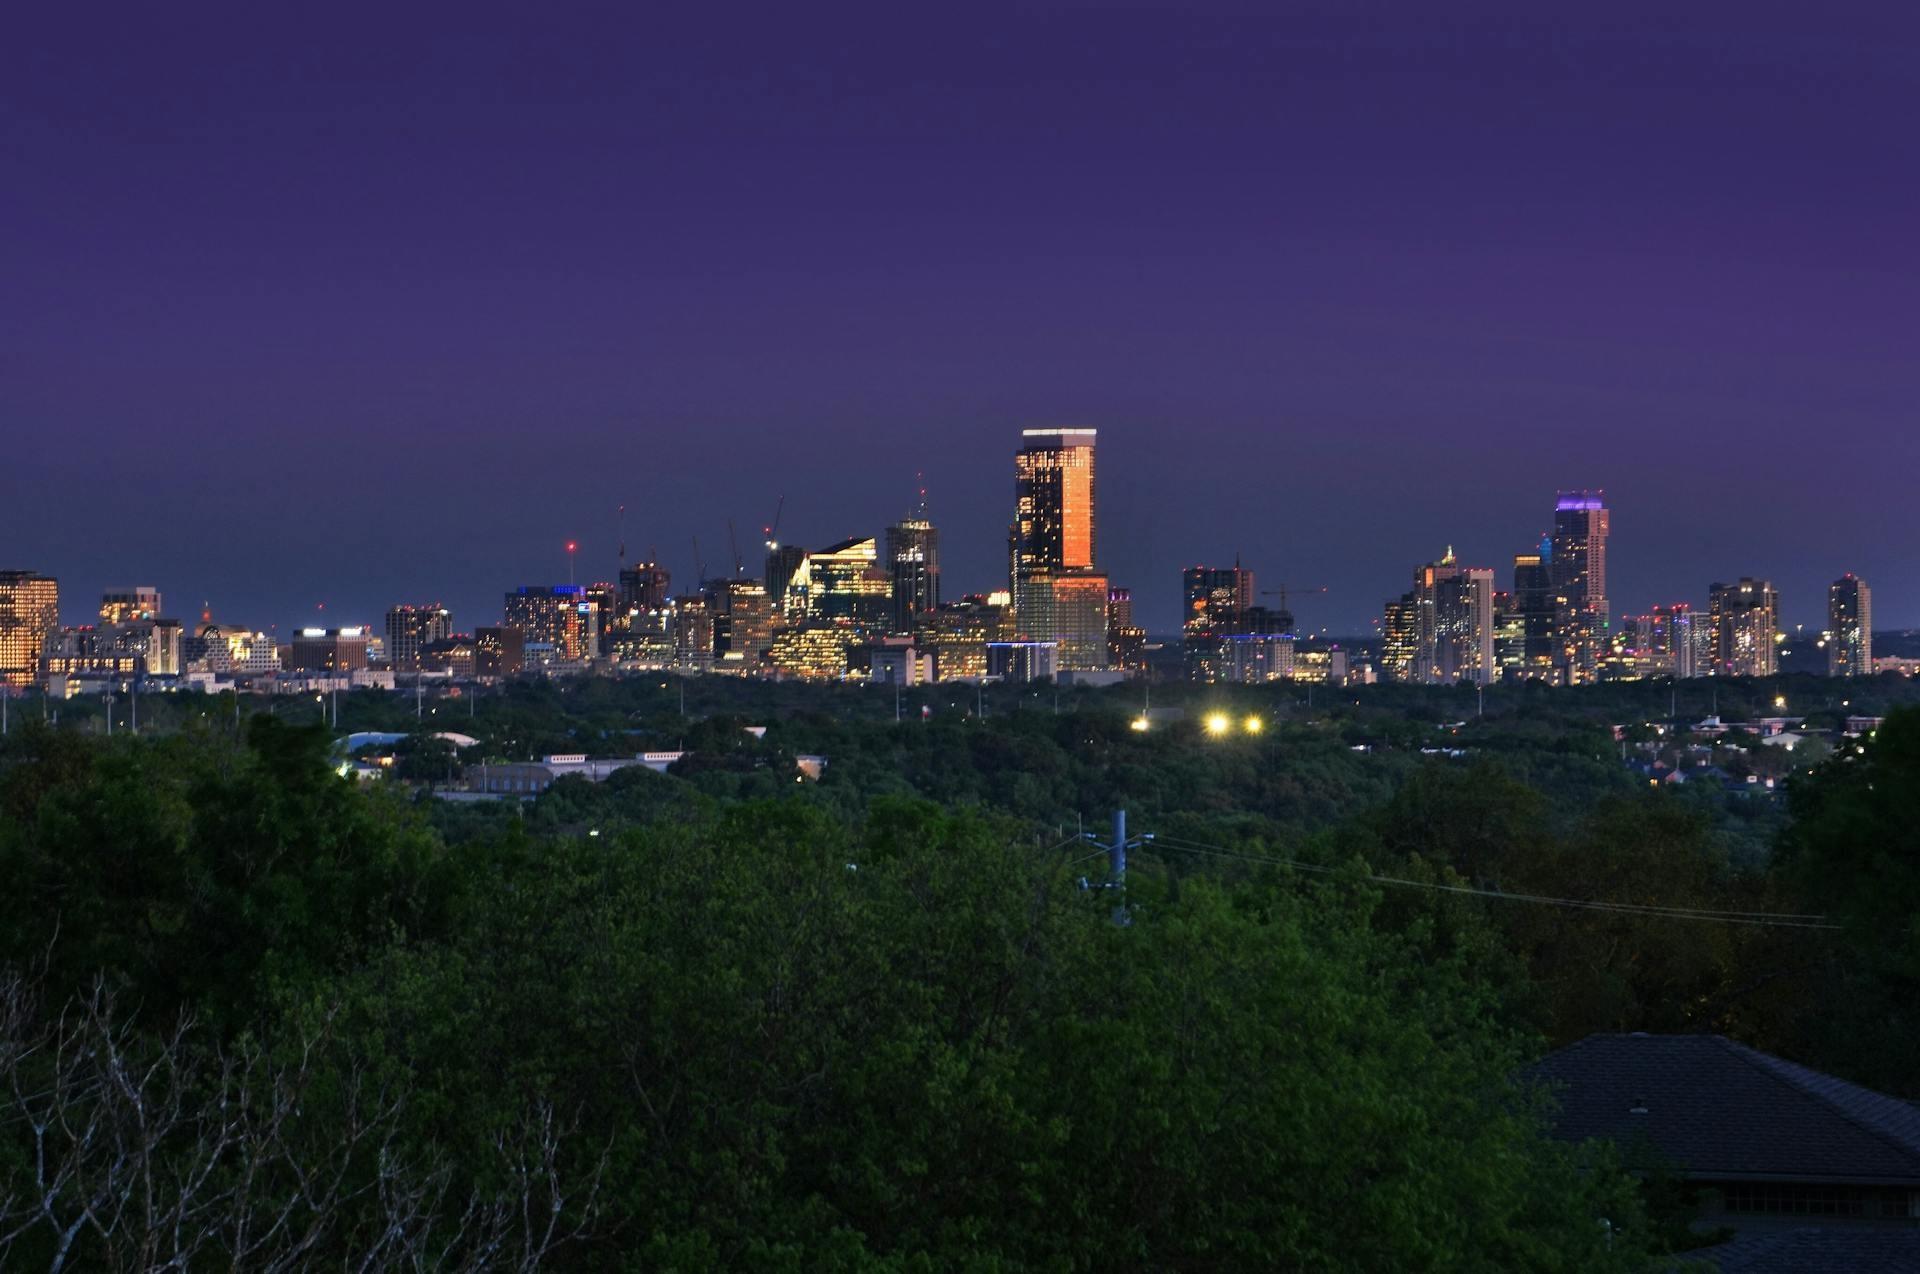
x,y
1286,615
699,564
733,546
772,529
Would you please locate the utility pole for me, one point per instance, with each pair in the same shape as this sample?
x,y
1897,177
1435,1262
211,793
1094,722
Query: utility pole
x,y
133,691
1117,861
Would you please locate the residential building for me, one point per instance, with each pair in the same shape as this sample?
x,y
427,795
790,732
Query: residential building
x,y
1745,622
1761,1145
29,620
1849,627
742,622
558,615
127,604
411,629
958,634
1400,630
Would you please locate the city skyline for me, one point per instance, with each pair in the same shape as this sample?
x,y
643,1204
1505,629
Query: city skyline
x,y
1164,597
1339,291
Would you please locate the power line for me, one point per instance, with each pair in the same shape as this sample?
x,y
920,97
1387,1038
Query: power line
x,y
1759,919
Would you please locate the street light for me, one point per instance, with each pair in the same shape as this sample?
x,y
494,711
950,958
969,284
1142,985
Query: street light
x,y
1254,725
1138,724
1218,723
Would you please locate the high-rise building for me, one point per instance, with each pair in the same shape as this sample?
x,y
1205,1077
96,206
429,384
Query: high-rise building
x,y
1463,625
1400,627
1578,569
560,617
1535,613
1217,603
1849,627
783,562
1059,595
1745,619
498,652
1067,612
29,619
842,583
691,625
913,562
742,622
411,629
1659,643
1054,527
644,586
1442,631
127,604
1217,598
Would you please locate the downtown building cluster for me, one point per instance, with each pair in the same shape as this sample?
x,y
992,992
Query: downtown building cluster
x,y
872,607
861,607
1553,624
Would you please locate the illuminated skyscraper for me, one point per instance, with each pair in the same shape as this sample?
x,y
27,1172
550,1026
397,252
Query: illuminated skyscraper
x,y
1059,596
1442,632
1578,569
1054,528
1745,618
29,619
1850,627
411,629
844,583
913,562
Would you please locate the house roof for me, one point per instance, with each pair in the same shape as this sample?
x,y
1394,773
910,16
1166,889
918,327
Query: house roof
x,y
1722,1111
1861,1251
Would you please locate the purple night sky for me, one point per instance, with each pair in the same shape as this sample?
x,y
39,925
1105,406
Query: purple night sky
x,y
373,304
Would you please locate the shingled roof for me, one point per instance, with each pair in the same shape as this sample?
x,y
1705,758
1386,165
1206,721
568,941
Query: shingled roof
x,y
1724,1112
1816,1252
